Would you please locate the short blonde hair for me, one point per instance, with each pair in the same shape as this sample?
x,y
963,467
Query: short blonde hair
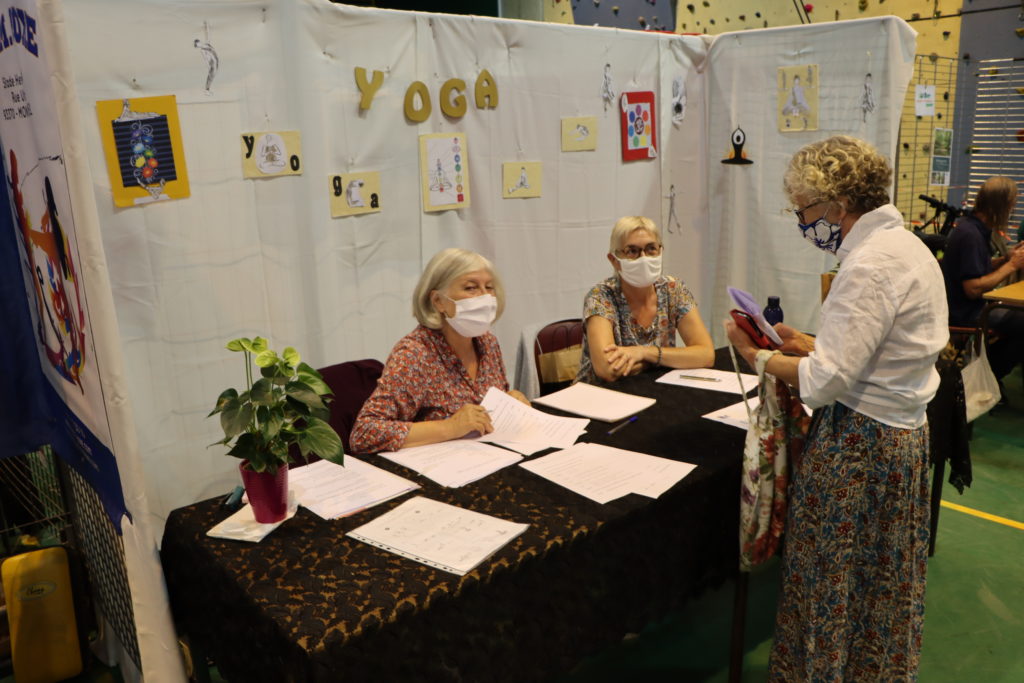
x,y
995,200
839,168
626,226
444,268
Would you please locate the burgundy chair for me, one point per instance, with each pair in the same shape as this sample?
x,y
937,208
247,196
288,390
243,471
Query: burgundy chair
x,y
555,337
351,382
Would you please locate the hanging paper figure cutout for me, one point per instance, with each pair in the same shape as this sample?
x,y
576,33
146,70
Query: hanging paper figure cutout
x,y
867,98
352,194
672,217
60,318
607,91
211,59
737,155
678,100
270,154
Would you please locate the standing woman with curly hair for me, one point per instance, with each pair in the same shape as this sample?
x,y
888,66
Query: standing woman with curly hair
x,y
856,551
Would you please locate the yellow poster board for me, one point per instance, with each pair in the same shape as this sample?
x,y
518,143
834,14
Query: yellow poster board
x,y
521,179
797,106
142,144
444,171
354,193
579,134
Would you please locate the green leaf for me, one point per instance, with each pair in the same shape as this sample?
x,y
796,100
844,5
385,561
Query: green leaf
x,y
259,345
223,400
315,382
262,393
291,356
301,391
271,421
320,439
266,358
236,418
237,344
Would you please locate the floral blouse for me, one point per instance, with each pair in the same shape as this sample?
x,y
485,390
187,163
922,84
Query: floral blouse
x,y
607,300
423,380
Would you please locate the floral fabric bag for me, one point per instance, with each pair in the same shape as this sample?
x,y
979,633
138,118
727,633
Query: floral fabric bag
x,y
775,440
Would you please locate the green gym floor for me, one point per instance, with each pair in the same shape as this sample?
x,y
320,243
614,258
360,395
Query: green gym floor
x,y
974,616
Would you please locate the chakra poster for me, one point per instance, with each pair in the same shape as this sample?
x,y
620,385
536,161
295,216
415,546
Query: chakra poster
x,y
142,144
444,172
639,129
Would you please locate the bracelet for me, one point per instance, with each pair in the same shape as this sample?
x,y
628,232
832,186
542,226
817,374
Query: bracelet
x,y
658,363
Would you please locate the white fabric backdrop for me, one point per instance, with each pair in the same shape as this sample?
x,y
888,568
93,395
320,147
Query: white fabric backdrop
x,y
755,244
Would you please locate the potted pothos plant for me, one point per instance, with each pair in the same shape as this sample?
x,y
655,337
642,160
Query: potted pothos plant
x,y
285,407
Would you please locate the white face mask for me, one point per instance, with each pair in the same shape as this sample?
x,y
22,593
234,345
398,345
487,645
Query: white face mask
x,y
473,316
640,272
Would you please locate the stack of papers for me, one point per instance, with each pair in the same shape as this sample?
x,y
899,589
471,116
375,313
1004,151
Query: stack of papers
x,y
715,380
734,415
438,534
596,402
526,430
242,526
454,463
603,473
332,491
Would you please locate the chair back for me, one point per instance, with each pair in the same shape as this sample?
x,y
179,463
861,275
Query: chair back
x,y
556,351
352,382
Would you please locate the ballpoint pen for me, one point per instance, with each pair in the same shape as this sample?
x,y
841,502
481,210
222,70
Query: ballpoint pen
x,y
622,424
698,377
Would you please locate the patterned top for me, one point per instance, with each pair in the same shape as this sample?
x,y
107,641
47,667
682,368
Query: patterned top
x,y
423,380
607,300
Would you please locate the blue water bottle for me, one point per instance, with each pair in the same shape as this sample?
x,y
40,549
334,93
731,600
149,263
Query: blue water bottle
x,y
773,312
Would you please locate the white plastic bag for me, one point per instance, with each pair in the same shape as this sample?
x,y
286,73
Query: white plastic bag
x,y
981,389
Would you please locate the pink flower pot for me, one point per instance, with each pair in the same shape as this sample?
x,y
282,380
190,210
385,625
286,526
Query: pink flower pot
x,y
268,493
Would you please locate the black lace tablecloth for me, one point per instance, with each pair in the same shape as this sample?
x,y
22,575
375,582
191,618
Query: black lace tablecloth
x,y
310,604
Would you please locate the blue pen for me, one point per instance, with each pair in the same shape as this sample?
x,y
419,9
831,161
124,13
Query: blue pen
x,y
622,424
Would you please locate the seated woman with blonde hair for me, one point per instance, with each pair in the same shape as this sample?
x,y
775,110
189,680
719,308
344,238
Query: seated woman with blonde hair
x,y
631,319
437,374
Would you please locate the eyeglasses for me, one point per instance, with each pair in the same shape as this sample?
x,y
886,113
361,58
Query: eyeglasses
x,y
631,252
800,212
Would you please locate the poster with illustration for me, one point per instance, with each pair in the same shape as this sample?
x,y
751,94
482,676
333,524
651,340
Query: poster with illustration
x,y
798,98
444,171
271,154
521,179
142,144
579,134
354,193
942,145
44,265
639,128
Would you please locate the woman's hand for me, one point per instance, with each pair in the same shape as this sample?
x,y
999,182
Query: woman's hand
x,y
624,360
519,396
794,342
741,341
470,418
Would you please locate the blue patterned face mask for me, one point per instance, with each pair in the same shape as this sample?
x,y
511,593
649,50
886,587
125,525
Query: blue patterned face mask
x,y
822,234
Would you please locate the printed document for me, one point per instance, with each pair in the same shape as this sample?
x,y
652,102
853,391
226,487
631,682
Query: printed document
x,y
707,378
596,402
603,473
734,415
438,534
525,429
454,463
333,491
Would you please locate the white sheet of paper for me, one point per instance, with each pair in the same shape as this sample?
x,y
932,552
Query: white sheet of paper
x,y
519,424
438,534
603,473
454,463
734,415
242,526
713,380
332,491
596,402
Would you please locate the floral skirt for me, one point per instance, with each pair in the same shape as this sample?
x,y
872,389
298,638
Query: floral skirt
x,y
856,553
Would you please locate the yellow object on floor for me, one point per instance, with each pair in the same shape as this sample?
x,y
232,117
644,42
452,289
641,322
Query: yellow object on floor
x,y
44,635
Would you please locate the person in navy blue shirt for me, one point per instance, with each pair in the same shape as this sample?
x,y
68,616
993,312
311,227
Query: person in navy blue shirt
x,y
969,271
